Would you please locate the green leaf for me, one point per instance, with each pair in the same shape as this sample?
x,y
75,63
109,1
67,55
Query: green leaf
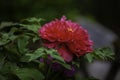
x,y
22,43
3,42
12,49
67,66
103,53
32,27
33,20
33,24
35,38
8,67
7,37
2,77
38,53
100,54
89,57
12,37
57,57
5,24
2,60
13,29
4,39
77,64
25,58
28,74
53,53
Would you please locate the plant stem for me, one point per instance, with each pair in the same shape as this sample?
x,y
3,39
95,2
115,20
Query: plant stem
x,y
48,72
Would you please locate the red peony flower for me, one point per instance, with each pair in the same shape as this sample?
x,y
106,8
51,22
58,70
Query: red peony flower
x,y
69,38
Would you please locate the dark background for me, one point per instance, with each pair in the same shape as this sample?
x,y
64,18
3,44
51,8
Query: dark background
x,y
107,12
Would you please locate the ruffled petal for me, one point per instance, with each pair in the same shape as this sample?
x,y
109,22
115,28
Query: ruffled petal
x,y
67,56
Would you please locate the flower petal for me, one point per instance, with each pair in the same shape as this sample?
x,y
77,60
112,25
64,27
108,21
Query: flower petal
x,y
67,56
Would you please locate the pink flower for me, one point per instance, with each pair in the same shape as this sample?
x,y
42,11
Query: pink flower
x,y
68,37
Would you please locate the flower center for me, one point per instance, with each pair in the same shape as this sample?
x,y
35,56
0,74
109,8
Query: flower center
x,y
70,29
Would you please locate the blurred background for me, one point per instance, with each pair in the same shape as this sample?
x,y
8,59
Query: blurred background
x,y
99,17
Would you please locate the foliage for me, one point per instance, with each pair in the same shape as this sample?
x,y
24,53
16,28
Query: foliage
x,y
100,54
21,49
